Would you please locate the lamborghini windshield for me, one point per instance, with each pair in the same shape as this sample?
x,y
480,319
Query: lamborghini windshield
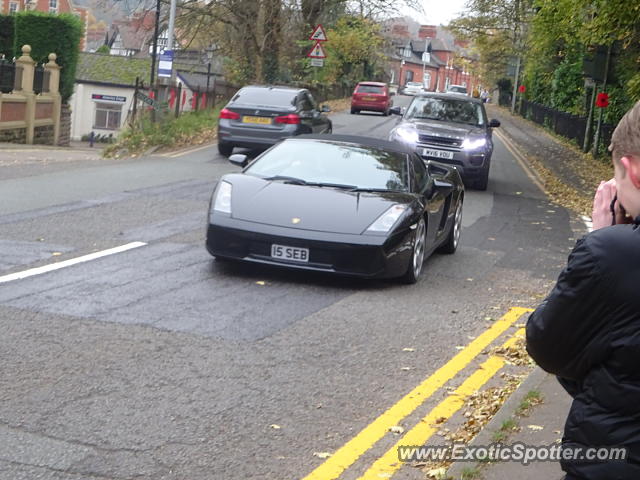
x,y
332,163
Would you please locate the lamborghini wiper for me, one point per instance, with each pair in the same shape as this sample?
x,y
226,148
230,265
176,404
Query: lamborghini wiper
x,y
286,179
332,185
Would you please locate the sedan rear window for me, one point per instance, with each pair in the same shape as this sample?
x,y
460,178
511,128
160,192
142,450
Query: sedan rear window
x,y
446,110
370,89
267,97
458,89
336,163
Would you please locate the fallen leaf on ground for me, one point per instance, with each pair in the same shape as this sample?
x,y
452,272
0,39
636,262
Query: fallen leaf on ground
x,y
322,454
396,429
275,427
535,427
437,473
261,282
408,349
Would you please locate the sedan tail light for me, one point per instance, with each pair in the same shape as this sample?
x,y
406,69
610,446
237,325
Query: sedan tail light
x,y
288,119
229,115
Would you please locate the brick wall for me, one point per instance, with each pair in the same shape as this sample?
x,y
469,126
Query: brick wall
x,y
43,135
65,126
13,135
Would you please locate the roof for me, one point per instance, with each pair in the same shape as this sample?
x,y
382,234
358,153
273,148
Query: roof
x,y
136,32
450,96
359,140
112,69
276,87
197,80
375,84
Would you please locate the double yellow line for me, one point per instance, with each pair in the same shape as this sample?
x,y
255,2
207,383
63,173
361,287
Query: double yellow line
x,y
386,465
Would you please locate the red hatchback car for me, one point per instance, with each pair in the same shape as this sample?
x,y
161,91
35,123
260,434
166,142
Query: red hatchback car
x,y
373,96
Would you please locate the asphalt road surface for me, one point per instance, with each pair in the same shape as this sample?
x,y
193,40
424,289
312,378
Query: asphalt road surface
x,y
153,361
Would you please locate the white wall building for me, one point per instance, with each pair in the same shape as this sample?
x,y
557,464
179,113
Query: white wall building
x,y
102,109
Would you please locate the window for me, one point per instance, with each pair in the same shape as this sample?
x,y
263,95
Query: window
x,y
107,116
265,97
421,173
462,111
334,162
305,104
53,6
370,89
314,105
13,7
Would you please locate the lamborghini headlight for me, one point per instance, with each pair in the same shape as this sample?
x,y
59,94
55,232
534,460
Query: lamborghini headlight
x,y
387,220
222,200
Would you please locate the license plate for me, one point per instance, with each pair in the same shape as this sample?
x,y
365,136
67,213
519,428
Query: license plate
x,y
258,120
368,99
429,152
290,253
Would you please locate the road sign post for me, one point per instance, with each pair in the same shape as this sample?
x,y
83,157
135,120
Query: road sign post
x,y
317,54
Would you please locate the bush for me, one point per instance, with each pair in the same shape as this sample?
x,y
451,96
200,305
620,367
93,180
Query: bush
x,y
46,33
188,129
7,23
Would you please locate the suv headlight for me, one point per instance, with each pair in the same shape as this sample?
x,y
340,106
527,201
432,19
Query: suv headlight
x,y
473,143
222,200
387,220
406,134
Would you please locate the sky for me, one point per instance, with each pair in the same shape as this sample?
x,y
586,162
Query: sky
x,y
438,12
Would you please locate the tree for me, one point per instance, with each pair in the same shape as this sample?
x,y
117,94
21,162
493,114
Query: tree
x,y
266,40
498,29
354,52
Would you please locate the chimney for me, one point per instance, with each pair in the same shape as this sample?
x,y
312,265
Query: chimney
x,y
428,31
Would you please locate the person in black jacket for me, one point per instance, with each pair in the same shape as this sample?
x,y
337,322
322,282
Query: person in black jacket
x,y
587,331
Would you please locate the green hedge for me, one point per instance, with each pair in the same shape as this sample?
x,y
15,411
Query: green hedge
x,y
6,35
47,33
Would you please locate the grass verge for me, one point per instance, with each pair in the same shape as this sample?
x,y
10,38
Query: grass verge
x,y
192,128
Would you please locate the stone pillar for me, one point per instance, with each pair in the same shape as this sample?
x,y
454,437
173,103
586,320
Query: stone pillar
x,y
28,71
54,92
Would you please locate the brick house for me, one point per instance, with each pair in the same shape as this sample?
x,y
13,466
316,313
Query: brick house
x,y
432,59
48,6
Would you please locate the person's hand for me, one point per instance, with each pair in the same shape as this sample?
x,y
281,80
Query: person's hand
x,y
601,215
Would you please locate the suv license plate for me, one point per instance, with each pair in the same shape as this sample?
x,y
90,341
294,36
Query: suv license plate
x,y
290,253
428,152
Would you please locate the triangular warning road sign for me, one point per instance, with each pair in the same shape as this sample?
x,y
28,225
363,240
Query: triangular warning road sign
x,y
317,51
318,34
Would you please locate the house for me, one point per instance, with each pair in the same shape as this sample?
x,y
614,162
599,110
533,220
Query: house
x,y
103,92
436,58
48,6
413,61
105,86
134,37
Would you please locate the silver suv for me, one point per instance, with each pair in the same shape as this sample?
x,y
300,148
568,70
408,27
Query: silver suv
x,y
449,128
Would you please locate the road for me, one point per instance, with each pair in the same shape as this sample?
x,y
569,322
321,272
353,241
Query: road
x,y
156,362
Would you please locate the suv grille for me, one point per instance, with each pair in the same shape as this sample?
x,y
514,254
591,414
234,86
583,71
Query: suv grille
x,y
440,141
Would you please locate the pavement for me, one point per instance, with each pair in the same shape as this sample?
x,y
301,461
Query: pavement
x,y
544,423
